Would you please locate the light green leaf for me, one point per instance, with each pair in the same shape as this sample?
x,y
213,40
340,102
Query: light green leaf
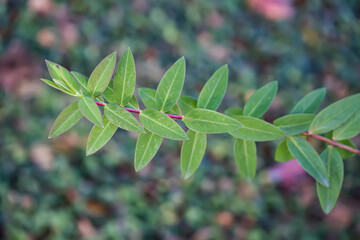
x,y
309,159
147,146
124,80
232,112
187,103
147,96
99,136
122,118
208,121
100,77
108,94
256,130
67,118
133,103
214,90
52,84
192,152
260,101
62,74
349,129
175,110
63,86
90,110
294,124
83,80
170,86
245,157
311,102
335,114
161,124
335,169
282,153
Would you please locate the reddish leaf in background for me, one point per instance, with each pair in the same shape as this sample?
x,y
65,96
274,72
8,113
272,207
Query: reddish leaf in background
x,y
273,9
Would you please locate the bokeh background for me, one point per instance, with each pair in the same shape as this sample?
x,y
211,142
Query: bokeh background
x,y
50,190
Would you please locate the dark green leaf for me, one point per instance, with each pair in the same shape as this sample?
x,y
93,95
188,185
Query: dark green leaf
x,y
109,92
147,96
214,90
256,130
282,153
349,129
208,121
147,146
294,124
335,169
100,77
67,118
133,103
260,101
187,103
99,136
192,152
311,102
245,157
309,159
90,110
232,112
161,124
170,86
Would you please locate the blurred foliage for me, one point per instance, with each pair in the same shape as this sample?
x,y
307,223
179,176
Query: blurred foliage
x,y
49,190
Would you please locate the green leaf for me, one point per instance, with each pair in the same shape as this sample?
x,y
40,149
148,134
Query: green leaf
x,y
187,103
90,110
349,129
66,119
192,152
133,103
214,90
161,124
63,86
170,86
294,124
124,80
122,118
335,169
282,153
256,130
208,121
175,110
52,84
311,102
335,114
232,112
109,92
245,157
343,153
62,74
147,146
100,77
83,80
260,101
99,136
147,96
309,159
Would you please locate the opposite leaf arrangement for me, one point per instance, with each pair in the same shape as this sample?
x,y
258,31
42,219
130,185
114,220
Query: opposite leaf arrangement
x,y
339,121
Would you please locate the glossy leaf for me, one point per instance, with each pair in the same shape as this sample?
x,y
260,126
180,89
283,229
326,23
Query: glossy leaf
x,y
192,153
187,103
214,90
133,103
245,157
311,102
170,86
122,118
294,124
66,120
100,77
208,121
282,153
309,159
90,110
349,129
335,169
256,130
335,114
62,74
99,136
147,146
260,101
124,80
232,112
83,80
147,96
161,124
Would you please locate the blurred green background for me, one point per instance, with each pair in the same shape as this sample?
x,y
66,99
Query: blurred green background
x,y
50,190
